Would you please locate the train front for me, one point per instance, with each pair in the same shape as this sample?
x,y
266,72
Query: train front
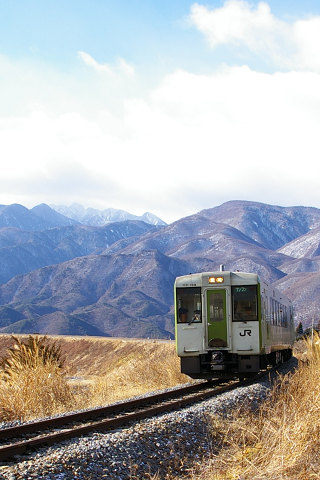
x,y
217,327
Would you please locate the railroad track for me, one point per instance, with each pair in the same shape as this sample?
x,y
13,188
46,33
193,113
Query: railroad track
x,y
24,438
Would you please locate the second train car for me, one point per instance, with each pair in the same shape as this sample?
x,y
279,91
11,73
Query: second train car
x,y
230,324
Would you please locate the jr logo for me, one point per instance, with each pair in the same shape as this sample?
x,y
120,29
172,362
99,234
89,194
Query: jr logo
x,y
245,332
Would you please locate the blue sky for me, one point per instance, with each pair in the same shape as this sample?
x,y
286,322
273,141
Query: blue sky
x,y
153,35
169,106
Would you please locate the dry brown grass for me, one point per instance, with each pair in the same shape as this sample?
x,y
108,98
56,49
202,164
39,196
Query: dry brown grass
x,y
34,393
96,371
123,368
30,354
32,383
282,440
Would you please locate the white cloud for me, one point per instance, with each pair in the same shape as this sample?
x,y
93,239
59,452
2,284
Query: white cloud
x,y
236,22
293,45
125,67
306,35
91,62
190,143
120,67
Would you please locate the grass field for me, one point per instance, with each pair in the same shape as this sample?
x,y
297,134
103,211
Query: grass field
x,y
96,371
279,442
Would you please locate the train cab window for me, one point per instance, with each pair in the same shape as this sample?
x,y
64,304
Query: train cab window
x,y
189,305
244,303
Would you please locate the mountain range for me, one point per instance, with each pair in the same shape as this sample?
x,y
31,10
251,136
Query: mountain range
x,y
60,276
98,218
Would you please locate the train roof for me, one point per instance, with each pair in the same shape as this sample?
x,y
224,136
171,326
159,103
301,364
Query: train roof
x,y
222,277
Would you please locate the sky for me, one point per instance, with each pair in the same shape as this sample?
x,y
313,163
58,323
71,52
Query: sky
x,y
169,107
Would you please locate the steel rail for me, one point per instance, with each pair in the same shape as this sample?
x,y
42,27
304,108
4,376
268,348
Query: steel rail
x,y
80,416
162,402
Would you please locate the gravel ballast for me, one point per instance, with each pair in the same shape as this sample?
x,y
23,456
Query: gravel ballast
x,y
171,442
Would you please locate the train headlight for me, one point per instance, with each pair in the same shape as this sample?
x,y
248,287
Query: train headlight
x,y
216,279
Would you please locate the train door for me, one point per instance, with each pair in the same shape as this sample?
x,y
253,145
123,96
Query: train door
x,y
217,318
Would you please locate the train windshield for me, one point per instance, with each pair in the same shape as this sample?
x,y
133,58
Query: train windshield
x,y
189,305
244,302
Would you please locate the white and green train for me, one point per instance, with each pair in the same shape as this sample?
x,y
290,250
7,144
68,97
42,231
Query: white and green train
x,y
230,324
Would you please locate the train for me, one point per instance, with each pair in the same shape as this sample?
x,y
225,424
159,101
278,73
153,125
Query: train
x,y
230,324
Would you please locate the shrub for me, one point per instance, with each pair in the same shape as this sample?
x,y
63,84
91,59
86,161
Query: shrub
x,y
281,440
33,381
33,353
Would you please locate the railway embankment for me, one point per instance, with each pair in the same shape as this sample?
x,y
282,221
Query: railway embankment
x,y
80,372
280,441
169,445
254,432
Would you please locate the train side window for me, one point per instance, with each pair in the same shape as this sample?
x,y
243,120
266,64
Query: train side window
x,y
291,315
284,316
189,305
273,312
244,303
264,308
279,314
